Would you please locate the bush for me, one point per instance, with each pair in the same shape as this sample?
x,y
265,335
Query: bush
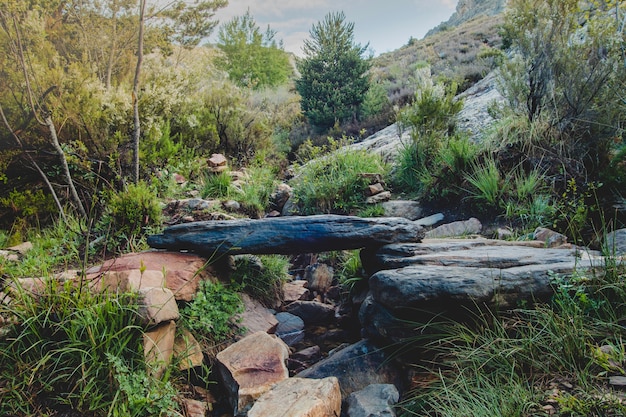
x,y
129,214
217,185
261,277
213,313
335,183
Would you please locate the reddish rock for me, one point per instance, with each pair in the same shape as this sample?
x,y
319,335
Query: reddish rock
x,y
217,160
295,290
319,277
183,271
158,347
251,366
157,305
187,351
256,318
300,397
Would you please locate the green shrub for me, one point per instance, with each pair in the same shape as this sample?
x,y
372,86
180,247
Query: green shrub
x,y
213,313
129,214
261,277
256,189
488,186
217,185
63,349
334,183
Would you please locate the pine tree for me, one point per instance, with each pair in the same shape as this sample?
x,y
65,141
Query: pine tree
x,y
333,80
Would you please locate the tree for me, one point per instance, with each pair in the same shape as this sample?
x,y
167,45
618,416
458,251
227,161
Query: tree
x,y
252,58
333,80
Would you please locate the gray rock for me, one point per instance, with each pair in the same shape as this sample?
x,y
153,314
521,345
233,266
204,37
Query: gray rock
x,y
356,367
430,220
287,235
615,242
386,142
312,312
403,208
451,277
290,328
376,400
455,229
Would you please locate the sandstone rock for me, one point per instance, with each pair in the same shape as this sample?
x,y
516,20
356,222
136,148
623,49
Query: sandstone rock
x,y
290,328
319,277
179,179
376,400
299,397
187,351
403,208
9,256
130,280
251,366
379,198
183,271
22,248
158,347
311,312
194,408
280,196
374,189
551,238
157,305
33,286
308,355
356,367
460,228
256,318
217,160
294,291
287,235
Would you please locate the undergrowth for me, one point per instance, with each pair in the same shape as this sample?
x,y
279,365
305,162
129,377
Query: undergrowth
x,y
553,359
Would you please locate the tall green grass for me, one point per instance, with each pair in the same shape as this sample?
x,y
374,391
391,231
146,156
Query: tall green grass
x,y
67,347
504,363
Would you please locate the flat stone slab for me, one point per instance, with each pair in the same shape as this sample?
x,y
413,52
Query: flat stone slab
x,y
287,235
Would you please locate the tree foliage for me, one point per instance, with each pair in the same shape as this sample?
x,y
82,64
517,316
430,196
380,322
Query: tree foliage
x,y
333,81
252,58
567,71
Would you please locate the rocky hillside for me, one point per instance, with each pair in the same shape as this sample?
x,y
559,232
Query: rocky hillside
x,y
467,10
458,49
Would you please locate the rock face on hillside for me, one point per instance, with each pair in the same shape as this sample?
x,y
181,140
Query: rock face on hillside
x,y
469,9
473,119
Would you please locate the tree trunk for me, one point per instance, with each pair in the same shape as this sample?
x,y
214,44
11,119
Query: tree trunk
x,y
137,127
64,166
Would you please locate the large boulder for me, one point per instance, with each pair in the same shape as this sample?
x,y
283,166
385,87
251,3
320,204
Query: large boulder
x,y
251,366
452,277
183,271
299,397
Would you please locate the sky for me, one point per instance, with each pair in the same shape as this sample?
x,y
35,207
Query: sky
x,y
385,25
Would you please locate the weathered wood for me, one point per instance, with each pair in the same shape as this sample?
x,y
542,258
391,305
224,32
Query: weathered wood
x,y
287,235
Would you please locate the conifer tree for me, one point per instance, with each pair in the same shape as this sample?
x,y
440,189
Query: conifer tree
x,y
333,80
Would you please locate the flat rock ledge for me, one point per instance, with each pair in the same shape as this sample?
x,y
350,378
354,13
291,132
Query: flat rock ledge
x,y
287,235
452,277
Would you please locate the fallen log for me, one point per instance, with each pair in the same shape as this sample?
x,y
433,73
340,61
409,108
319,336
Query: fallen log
x,y
287,235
